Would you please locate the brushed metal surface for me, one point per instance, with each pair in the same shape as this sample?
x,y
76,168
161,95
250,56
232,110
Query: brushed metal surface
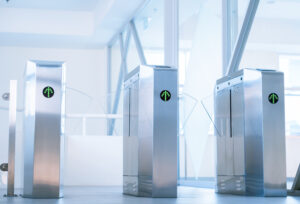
x,y
253,134
273,144
12,138
150,133
165,135
146,130
130,140
44,130
257,128
230,142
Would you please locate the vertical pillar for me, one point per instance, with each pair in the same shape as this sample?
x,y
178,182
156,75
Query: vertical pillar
x,y
171,33
108,85
230,29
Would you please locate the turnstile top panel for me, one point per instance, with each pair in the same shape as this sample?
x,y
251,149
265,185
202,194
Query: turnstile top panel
x,y
241,72
155,67
237,77
48,64
32,65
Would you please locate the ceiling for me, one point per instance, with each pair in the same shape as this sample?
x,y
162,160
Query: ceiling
x,y
70,5
92,23
273,9
63,23
279,9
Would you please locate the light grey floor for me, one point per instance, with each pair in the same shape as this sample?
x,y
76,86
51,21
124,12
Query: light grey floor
x,y
113,195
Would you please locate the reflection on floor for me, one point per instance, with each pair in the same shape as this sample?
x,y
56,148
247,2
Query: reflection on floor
x,y
113,195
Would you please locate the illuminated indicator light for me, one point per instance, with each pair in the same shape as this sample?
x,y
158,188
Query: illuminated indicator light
x,y
165,95
273,98
48,91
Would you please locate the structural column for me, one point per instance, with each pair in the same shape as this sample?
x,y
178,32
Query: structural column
x,y
171,33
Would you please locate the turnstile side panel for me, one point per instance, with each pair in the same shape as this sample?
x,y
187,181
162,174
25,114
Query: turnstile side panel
x,y
130,139
28,128
222,120
229,120
238,124
62,129
253,132
274,136
165,134
47,145
145,130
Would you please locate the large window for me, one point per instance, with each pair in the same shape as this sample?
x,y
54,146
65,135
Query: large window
x,y
138,42
200,65
290,65
274,43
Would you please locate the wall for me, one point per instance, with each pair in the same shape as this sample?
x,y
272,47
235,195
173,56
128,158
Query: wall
x,y
86,93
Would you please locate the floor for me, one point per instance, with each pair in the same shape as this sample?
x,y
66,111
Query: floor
x,y
113,195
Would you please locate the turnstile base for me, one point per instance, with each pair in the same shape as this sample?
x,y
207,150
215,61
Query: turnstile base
x,y
231,185
137,186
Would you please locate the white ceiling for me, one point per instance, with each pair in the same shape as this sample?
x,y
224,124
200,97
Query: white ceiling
x,y
279,9
273,9
72,5
92,23
63,23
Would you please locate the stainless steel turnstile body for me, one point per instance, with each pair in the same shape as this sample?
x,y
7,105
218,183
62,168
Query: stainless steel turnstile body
x,y
150,132
44,129
250,129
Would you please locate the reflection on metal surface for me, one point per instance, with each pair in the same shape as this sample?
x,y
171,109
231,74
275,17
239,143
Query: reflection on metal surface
x,y
12,138
251,140
44,130
150,132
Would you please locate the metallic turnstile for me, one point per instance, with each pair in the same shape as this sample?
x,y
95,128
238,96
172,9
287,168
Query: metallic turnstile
x,y
150,132
12,138
44,129
250,123
10,166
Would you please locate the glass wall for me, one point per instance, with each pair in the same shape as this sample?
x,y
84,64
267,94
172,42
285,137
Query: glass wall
x,y
274,43
150,27
116,59
149,23
200,65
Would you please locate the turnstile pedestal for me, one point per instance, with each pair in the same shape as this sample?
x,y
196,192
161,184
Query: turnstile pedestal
x,y
250,122
150,132
44,129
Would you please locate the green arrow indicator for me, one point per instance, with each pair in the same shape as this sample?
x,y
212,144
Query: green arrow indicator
x,y
273,98
165,95
48,91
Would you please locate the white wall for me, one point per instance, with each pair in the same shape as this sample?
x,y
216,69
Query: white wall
x,y
86,159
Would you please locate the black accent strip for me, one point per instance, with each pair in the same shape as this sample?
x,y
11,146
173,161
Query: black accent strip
x,y
230,109
129,111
